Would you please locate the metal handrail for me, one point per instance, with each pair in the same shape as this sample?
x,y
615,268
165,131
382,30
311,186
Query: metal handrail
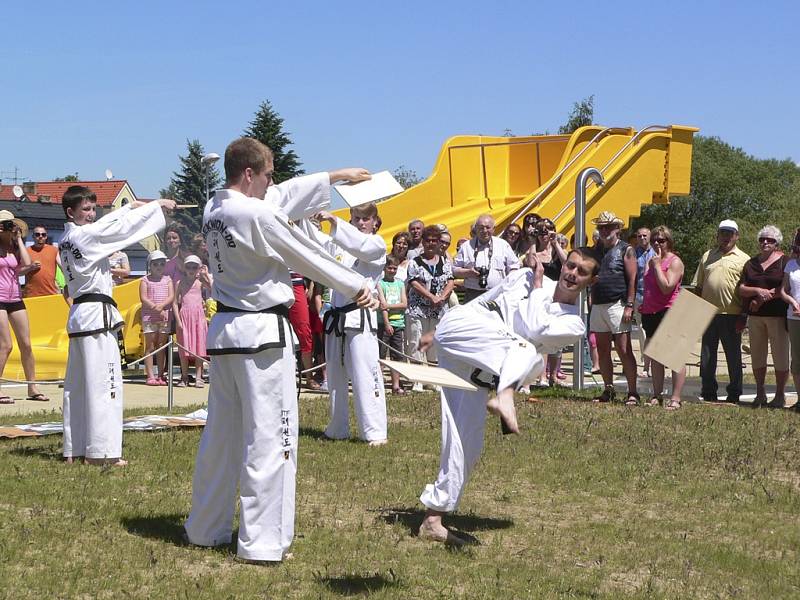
x,y
630,142
557,176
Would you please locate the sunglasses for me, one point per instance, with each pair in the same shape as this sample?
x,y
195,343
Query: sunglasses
x,y
35,234
512,233
659,240
767,240
7,225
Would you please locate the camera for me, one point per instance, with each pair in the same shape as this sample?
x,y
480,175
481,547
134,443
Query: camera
x,y
483,276
7,225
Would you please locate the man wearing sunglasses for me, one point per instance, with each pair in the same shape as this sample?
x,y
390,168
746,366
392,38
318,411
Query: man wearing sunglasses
x,y
41,280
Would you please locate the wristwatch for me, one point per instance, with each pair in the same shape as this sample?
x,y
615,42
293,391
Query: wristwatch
x,y
629,305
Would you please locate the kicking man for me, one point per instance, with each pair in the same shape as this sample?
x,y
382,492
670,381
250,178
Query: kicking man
x,y
498,341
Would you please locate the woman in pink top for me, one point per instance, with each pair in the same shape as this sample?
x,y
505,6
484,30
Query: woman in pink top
x,y
14,262
662,283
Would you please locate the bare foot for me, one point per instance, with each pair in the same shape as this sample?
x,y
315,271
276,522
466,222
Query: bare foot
x,y
378,442
111,462
73,460
434,531
502,405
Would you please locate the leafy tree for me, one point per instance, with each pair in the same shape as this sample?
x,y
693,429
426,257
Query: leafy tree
x,y
188,186
406,177
727,183
267,128
66,178
582,114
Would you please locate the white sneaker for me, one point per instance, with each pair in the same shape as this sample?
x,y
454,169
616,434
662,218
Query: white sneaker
x,y
323,387
417,387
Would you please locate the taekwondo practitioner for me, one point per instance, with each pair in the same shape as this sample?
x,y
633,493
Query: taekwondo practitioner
x,y
351,344
500,335
250,437
93,381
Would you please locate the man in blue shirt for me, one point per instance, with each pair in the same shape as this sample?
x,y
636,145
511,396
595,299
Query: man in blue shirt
x,y
644,252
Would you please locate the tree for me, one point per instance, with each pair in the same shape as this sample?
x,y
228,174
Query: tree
x,y
67,178
582,114
406,177
267,128
727,183
188,186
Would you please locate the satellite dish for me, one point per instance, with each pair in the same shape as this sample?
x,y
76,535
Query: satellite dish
x,y
18,193
109,175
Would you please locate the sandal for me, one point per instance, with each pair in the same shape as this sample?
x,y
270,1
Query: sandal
x,y
674,405
182,383
199,384
399,392
6,400
633,399
656,401
152,381
608,395
40,397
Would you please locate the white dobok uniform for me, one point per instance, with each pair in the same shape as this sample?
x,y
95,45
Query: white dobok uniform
x,y
351,346
250,437
93,381
499,336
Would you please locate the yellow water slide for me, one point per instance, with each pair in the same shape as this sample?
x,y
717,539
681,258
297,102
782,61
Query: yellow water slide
x,y
506,177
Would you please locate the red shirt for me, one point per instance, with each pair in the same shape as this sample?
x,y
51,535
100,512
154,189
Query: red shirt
x,y
43,281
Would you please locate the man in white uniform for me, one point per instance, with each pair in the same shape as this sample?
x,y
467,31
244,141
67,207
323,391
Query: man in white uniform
x,y
351,346
497,341
93,382
484,261
250,437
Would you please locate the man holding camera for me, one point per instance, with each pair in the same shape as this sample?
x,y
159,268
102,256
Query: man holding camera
x,y
485,261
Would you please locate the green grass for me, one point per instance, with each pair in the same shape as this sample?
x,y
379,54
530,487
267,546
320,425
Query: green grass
x,y
588,502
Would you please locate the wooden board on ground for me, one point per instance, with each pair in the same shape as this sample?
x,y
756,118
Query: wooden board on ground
x,y
680,330
429,375
382,185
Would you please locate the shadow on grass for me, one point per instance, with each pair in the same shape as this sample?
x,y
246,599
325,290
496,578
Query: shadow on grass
x,y
309,432
49,453
358,585
411,518
167,528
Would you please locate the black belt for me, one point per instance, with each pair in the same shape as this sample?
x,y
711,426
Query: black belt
x,y
102,299
92,297
278,309
332,320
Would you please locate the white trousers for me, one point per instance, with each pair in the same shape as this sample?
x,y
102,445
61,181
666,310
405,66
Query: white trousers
x,y
250,438
361,367
93,397
416,327
468,338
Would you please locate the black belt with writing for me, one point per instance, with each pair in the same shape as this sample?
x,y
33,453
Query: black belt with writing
x,y
278,309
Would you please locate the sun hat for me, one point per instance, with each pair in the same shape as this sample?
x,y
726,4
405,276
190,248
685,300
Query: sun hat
x,y
156,255
608,218
7,215
728,225
192,259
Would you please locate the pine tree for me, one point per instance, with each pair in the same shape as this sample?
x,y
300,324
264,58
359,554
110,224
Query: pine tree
x,y
267,128
188,185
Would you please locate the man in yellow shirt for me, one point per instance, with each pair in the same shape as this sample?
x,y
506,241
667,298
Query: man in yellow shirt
x,y
715,281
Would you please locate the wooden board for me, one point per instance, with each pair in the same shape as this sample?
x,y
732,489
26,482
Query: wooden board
x,y
680,330
382,185
429,375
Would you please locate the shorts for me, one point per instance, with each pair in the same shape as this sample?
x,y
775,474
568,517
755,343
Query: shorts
x,y
396,343
607,318
650,322
156,327
11,307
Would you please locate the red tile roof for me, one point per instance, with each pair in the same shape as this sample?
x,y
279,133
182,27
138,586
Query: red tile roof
x,y
106,191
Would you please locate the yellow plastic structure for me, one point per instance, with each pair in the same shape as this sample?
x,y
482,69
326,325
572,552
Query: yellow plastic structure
x,y
509,177
505,177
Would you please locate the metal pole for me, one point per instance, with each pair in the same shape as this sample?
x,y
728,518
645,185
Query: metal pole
x,y
580,240
170,365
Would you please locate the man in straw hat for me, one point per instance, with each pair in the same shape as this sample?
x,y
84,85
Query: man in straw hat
x,y
613,296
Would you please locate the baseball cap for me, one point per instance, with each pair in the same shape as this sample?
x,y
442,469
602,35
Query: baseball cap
x,y
192,259
728,225
156,255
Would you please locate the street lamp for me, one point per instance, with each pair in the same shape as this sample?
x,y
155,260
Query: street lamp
x,y
207,162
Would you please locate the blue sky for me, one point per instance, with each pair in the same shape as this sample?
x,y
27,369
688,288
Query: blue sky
x,y
95,85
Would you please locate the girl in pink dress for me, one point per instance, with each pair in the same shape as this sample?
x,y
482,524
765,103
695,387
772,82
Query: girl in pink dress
x,y
157,295
191,324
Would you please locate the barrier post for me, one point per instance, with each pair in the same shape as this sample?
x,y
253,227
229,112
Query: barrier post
x,y
170,365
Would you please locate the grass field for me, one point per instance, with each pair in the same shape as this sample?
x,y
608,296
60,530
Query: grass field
x,y
588,502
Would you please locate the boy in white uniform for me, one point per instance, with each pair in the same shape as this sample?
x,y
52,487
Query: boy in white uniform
x,y
250,437
93,382
351,343
501,335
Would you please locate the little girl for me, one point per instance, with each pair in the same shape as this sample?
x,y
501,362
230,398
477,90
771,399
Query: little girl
x,y
191,324
157,295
